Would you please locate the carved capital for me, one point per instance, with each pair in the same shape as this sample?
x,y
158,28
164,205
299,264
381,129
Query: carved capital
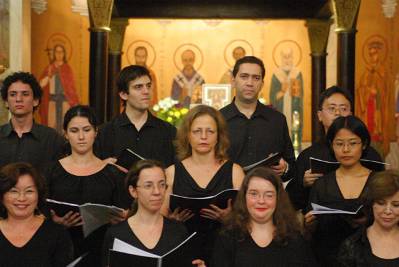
x,y
100,14
318,31
345,14
117,35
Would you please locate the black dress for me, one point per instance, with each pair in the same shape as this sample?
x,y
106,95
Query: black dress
x,y
356,251
299,194
332,229
104,187
50,246
185,185
233,250
173,233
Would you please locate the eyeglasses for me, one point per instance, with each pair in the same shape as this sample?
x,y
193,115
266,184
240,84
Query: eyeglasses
x,y
333,109
350,144
151,186
14,193
255,195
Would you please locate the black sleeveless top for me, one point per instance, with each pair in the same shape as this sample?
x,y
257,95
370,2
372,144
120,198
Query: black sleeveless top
x,y
185,185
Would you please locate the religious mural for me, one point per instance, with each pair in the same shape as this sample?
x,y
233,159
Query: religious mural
x,y
374,95
286,87
57,81
188,80
142,53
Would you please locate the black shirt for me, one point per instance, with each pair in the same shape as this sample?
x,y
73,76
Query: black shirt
x,y
356,251
332,229
254,139
153,141
232,250
50,246
38,147
173,233
299,194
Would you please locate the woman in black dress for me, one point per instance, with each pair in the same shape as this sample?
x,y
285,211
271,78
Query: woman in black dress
x,y
82,178
378,244
27,238
203,170
348,138
262,230
146,228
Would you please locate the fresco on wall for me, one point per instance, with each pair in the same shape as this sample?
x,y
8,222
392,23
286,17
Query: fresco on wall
x,y
188,59
4,35
142,53
57,81
286,87
374,97
233,51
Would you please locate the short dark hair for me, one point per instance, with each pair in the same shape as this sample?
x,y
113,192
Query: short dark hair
x,y
284,216
353,124
80,111
128,74
251,60
24,77
381,185
133,176
334,90
9,176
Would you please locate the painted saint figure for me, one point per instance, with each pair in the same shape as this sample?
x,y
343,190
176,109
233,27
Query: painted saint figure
x,y
141,56
238,52
187,81
59,91
374,99
286,90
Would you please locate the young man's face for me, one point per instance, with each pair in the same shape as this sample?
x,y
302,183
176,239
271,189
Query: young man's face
x,y
248,82
20,99
334,106
139,94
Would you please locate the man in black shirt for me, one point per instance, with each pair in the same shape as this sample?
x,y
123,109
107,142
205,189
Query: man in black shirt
x,y
256,130
136,128
333,102
21,139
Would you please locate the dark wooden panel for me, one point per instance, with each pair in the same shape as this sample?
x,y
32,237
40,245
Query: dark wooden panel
x,y
197,9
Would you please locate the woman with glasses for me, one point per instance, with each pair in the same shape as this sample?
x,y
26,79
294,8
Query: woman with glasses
x,y
262,229
203,170
378,244
146,228
27,238
342,189
333,102
81,178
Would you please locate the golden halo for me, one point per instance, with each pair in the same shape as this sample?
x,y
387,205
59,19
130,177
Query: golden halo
x,y
151,56
284,44
376,38
199,57
60,39
228,51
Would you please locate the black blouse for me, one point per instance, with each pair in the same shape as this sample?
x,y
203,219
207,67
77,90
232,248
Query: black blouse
x,y
232,250
50,246
332,229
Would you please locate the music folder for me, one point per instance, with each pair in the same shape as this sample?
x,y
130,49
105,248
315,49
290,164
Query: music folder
x,y
272,159
127,158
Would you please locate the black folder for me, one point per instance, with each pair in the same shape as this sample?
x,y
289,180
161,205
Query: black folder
x,y
127,158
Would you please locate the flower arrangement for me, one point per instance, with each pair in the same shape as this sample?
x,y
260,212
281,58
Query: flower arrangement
x,y
170,110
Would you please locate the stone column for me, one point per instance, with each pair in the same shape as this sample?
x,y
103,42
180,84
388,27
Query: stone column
x,y
318,31
345,15
116,37
100,17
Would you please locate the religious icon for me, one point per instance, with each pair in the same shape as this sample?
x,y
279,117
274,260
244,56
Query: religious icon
x,y
57,81
188,80
234,50
286,88
374,99
142,53
216,95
